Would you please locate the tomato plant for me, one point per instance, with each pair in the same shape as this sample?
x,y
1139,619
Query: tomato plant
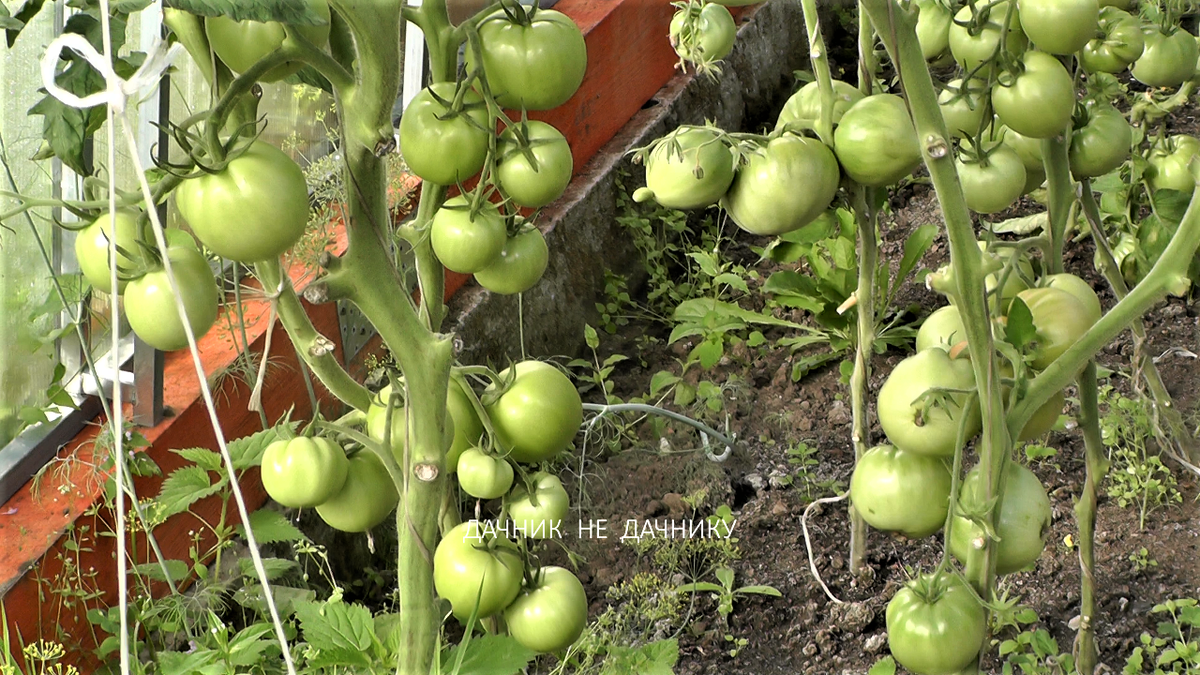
x,y
539,509
483,476
440,145
467,242
150,301
532,59
703,34
550,614
690,168
923,422
1059,26
521,264
255,209
763,198
304,472
875,141
536,172
367,496
935,626
239,44
537,415
901,491
476,573
1022,521
1037,101
91,250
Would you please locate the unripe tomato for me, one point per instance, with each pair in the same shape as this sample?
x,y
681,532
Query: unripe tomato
x,y
253,210
898,491
689,168
1027,148
916,426
521,264
239,44
993,184
537,64
1121,43
483,476
1059,26
150,302
539,512
471,571
935,626
439,147
549,615
304,472
467,243
538,415
1044,418
963,106
933,28
534,185
1022,518
1167,167
804,106
1060,319
377,421
764,198
366,499
1079,288
1168,60
942,329
710,37
973,48
91,250
1102,145
1040,100
876,142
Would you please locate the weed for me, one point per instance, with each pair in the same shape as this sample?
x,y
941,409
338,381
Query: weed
x,y
1138,476
1141,560
1175,648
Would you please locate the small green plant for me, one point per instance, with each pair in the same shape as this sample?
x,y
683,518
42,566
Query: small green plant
x,y
615,310
1138,476
1141,560
724,593
1029,650
1041,454
1175,648
803,458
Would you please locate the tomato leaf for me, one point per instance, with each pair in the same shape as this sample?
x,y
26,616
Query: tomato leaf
x,y
272,526
1019,331
488,655
295,12
24,15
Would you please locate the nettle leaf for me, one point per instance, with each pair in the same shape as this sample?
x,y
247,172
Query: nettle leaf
x,y
272,526
182,488
336,626
295,12
274,567
487,655
178,569
207,459
248,450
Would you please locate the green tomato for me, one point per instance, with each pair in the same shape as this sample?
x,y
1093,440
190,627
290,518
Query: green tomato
x,y
150,302
942,329
1167,167
898,491
935,626
539,413
366,499
1169,59
91,250
440,147
1079,288
924,427
995,185
1060,319
534,184
1027,148
536,64
476,572
1101,145
1044,418
549,615
1121,43
253,210
1022,523
876,142
763,199
239,44
521,264
377,423
971,49
464,243
484,476
304,472
933,28
1040,100
804,106
709,37
1059,26
689,168
963,107
539,513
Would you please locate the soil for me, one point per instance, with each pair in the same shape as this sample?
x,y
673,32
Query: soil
x,y
803,631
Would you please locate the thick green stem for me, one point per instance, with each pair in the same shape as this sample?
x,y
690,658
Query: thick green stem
x,y
1144,365
897,28
819,57
1085,516
867,63
1061,197
868,254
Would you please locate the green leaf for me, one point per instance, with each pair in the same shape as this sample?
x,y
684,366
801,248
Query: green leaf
x,y
178,570
761,590
661,381
1024,225
24,14
697,310
184,487
590,337
286,598
685,394
732,280
338,659
915,248
248,450
247,647
272,526
203,457
336,625
274,567
386,626
707,262
199,662
1170,205
296,12
709,352
700,587
655,658
488,655
884,666
311,77
1019,331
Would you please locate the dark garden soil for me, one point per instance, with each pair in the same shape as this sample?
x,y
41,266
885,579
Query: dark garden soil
x,y
803,631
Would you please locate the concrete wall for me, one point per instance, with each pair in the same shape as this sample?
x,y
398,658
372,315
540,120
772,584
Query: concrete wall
x,y
581,228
